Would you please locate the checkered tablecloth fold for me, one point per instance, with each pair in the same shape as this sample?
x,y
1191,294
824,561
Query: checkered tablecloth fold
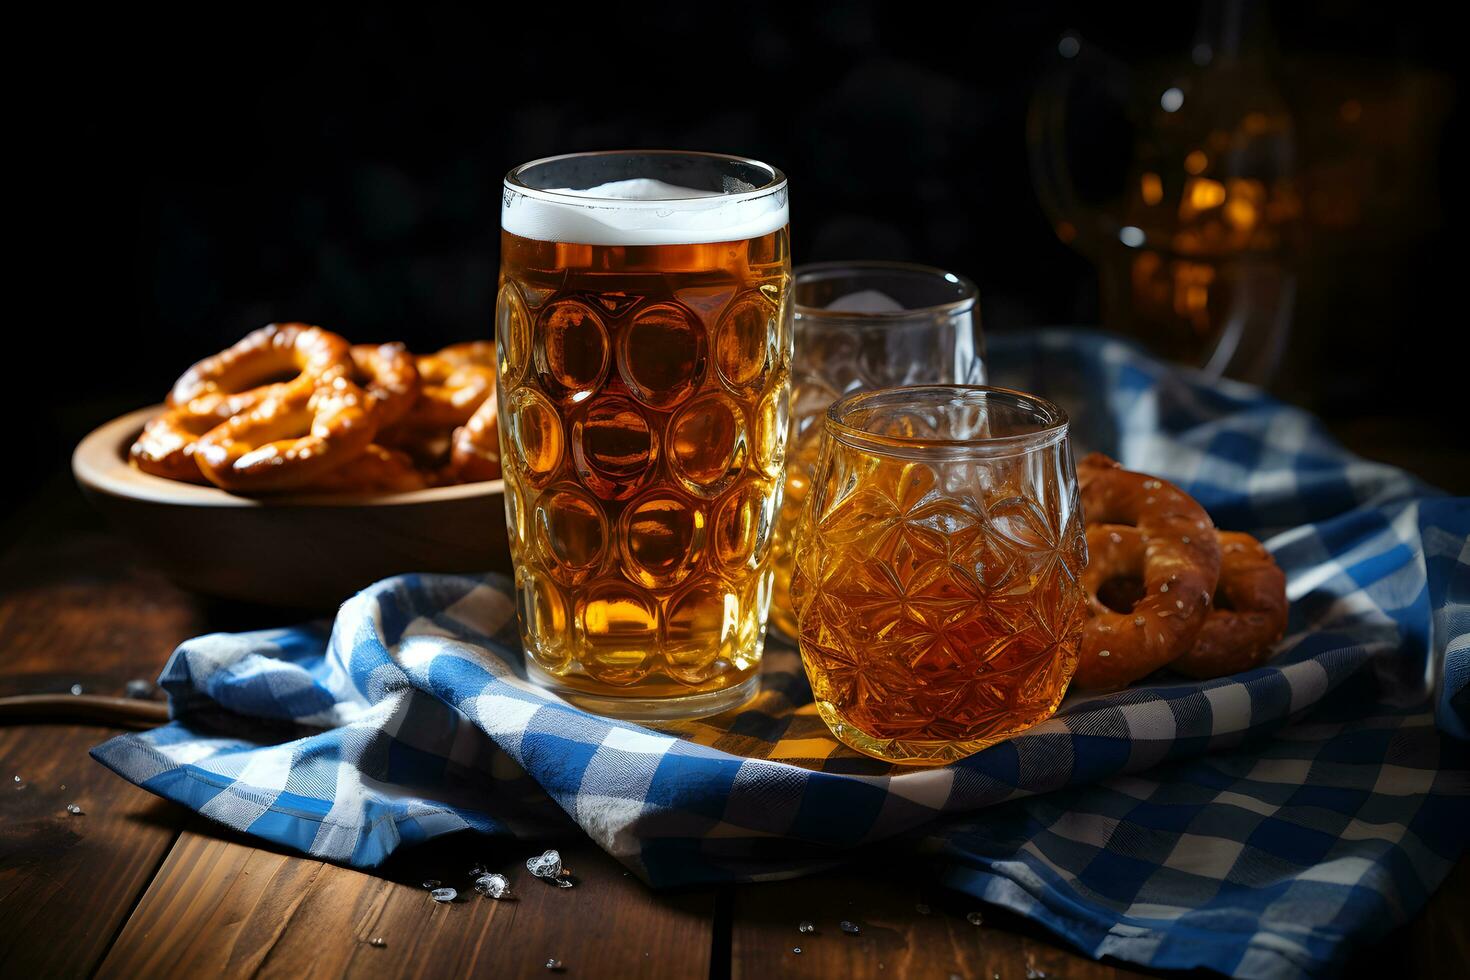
x,y
1260,824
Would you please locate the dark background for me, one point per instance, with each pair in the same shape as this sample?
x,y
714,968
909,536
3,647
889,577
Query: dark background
x,y
188,176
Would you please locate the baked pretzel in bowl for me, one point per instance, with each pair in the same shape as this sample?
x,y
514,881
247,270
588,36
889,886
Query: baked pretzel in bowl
x,y
294,408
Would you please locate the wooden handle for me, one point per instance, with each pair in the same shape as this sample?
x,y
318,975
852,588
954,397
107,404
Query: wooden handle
x,y
122,712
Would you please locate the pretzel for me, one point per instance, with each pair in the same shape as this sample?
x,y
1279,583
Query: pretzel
x,y
1249,614
376,469
1146,531
475,446
165,447
289,440
237,379
386,372
452,385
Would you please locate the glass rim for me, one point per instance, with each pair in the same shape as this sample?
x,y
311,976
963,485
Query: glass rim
x,y
513,182
1051,428
965,302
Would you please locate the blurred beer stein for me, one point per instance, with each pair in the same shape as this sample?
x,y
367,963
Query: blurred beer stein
x,y
644,344
938,569
859,326
1195,237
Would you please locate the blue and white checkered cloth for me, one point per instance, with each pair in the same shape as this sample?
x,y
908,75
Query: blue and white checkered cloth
x,y
1260,824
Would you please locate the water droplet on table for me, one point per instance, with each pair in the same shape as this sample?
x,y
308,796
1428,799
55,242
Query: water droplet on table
x,y
431,883
806,925
378,941
796,950
922,909
443,894
554,966
975,918
76,689
73,809
851,928
139,689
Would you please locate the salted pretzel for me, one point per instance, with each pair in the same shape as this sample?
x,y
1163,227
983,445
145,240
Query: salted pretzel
x,y
289,440
387,372
1249,614
475,447
165,447
278,359
1153,565
452,384
376,469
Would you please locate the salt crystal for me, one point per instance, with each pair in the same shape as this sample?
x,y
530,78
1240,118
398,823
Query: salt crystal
x,y
1185,539
431,883
806,925
922,909
1104,653
974,918
554,966
76,689
378,941
547,865
492,885
139,689
1115,537
73,809
443,894
1179,603
851,928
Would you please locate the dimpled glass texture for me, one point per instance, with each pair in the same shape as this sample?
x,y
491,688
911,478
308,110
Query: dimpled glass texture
x,y
644,395
938,562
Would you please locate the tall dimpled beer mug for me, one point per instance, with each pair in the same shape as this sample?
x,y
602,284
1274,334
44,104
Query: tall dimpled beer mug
x,y
643,326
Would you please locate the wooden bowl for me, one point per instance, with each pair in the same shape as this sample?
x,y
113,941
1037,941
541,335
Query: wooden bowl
x,y
309,551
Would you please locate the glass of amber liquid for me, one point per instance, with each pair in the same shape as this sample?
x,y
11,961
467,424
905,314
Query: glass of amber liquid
x,y
644,343
860,326
938,562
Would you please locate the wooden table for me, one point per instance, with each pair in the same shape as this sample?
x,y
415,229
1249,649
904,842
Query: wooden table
x,y
136,886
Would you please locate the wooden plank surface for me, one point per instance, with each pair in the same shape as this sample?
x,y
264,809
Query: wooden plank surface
x,y
222,907
74,608
905,930
68,881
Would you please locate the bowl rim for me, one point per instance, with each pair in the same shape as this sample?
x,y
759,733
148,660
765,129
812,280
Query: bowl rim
x,y
100,463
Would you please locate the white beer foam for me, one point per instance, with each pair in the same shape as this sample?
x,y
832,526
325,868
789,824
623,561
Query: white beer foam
x,y
642,212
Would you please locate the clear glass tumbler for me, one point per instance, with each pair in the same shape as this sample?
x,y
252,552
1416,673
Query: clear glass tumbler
x,y
860,326
644,346
938,569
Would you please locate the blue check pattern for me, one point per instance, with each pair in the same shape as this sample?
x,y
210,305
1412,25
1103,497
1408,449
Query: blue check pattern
x,y
1261,824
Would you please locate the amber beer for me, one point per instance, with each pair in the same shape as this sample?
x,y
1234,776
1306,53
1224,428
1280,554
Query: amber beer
x,y
937,585
644,358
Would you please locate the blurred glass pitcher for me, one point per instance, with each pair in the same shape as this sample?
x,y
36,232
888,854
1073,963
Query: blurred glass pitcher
x,y
1193,230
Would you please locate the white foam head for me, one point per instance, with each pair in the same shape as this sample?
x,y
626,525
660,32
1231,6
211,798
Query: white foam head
x,y
643,210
